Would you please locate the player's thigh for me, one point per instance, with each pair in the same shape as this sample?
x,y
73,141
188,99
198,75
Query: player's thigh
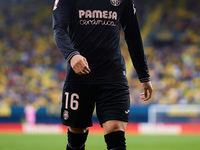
x,y
77,105
113,103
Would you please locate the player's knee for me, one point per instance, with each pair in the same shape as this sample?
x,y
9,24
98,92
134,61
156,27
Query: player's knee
x,y
114,125
115,140
76,141
78,130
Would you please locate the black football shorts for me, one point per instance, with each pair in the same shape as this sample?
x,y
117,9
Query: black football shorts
x,y
78,101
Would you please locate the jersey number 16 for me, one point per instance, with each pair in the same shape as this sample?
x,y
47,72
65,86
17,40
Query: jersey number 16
x,y
72,101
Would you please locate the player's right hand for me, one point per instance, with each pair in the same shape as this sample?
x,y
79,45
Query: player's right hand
x,y
80,65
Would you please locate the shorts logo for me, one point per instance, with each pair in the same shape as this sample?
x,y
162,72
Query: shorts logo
x,y
126,112
55,4
115,2
65,115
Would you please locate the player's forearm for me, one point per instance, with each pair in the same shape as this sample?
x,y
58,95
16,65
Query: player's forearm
x,y
135,47
61,37
139,60
140,64
63,43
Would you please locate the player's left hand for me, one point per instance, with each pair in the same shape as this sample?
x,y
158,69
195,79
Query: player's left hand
x,y
146,95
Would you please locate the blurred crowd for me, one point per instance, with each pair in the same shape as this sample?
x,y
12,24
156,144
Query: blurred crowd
x,y
173,54
33,70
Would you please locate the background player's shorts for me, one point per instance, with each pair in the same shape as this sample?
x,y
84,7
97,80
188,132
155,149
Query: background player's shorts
x,y
78,102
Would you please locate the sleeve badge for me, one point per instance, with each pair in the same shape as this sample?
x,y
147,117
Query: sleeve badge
x,y
55,4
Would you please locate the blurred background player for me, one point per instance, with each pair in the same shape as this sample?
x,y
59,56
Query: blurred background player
x,y
88,34
30,114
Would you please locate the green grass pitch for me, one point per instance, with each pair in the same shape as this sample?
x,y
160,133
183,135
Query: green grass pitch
x,y
96,142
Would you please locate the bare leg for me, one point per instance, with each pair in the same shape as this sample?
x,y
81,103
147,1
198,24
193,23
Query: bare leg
x,y
114,125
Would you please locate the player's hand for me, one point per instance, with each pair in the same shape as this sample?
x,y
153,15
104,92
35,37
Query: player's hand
x,y
80,65
146,95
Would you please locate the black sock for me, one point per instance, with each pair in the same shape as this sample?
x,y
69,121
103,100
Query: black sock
x,y
76,141
115,140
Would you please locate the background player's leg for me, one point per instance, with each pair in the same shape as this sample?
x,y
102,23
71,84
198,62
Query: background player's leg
x,y
114,134
77,138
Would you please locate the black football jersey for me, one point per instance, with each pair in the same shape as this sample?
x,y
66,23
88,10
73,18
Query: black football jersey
x,y
92,28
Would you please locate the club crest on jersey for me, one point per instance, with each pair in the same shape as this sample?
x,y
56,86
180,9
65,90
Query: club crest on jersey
x,y
65,115
115,2
55,4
